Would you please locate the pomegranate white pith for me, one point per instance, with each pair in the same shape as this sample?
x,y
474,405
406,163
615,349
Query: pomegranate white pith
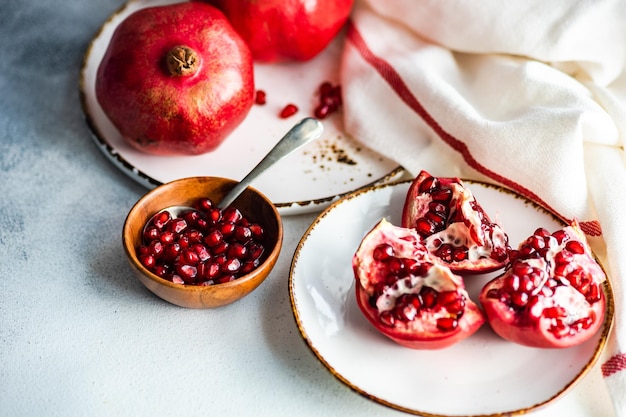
x,y
550,294
408,295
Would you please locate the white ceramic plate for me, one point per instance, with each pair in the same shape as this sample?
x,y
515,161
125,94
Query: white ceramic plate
x,y
307,181
482,376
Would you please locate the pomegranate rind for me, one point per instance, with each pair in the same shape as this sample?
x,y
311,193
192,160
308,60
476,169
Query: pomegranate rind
x,y
161,114
422,332
529,326
467,225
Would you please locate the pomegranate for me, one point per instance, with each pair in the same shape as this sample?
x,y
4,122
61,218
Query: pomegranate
x,y
176,79
453,226
203,246
286,30
550,295
407,294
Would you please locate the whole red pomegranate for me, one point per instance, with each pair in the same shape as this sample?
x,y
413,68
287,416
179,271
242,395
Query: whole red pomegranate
x,y
407,294
176,79
453,225
550,295
286,30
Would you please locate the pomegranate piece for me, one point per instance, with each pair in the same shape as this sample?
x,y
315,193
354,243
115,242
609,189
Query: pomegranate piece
x,y
550,294
453,226
203,246
407,294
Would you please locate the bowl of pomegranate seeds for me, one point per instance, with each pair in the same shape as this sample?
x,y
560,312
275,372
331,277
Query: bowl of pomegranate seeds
x,y
191,253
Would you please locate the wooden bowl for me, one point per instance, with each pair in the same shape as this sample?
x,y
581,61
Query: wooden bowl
x,y
254,205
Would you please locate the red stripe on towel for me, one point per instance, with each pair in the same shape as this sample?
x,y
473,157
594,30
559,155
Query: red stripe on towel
x,y
614,364
395,81
591,228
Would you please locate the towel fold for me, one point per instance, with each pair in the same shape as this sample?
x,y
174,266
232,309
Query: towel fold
x,y
529,95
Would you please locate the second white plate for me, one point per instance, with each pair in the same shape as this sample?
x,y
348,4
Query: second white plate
x,y
483,375
307,181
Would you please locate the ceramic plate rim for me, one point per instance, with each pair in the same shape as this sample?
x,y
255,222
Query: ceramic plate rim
x,y
601,344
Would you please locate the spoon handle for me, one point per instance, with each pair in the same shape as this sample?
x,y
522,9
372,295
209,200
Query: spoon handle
x,y
306,131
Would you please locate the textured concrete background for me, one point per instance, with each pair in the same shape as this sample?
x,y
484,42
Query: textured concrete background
x,y
78,335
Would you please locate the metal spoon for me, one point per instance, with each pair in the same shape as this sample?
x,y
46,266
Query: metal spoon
x,y
306,131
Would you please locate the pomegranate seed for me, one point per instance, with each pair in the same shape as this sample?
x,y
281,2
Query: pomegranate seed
x,y
148,261
554,312
441,195
232,215
387,318
444,253
519,299
226,278
447,324
322,111
201,251
396,266
156,248
325,88
191,217
214,216
542,232
563,257
536,242
288,111
438,220
260,97
427,185
257,230
187,272
150,234
237,250
446,297
424,227
459,254
213,238
511,283
204,204
231,265
221,248
161,271
171,251
212,270
594,293
249,266
255,251
227,228
383,252
429,297
167,237
575,247
560,236
161,219
243,234
193,236
177,225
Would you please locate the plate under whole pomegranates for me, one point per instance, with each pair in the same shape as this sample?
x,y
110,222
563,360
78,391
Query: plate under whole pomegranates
x,y
489,376
307,181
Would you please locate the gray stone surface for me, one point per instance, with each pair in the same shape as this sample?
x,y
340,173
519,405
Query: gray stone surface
x,y
78,335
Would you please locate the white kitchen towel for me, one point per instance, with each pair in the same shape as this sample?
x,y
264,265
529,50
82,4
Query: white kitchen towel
x,y
527,94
